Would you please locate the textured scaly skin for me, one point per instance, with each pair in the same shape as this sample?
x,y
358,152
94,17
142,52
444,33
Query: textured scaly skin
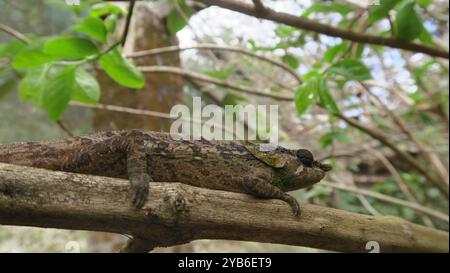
x,y
144,156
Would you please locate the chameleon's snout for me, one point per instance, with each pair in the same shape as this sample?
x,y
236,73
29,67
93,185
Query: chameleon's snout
x,y
324,167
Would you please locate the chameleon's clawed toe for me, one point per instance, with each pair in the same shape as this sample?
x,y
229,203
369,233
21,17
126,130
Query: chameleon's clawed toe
x,y
293,203
139,193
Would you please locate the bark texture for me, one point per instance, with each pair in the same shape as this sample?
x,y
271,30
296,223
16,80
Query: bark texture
x,y
177,213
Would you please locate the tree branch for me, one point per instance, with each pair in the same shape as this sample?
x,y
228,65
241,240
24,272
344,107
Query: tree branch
x,y
128,22
145,112
380,136
178,213
162,50
306,24
223,83
432,158
259,6
389,199
402,185
16,34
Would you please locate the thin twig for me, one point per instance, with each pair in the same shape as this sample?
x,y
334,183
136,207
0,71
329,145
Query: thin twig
x,y
403,186
169,49
366,204
142,112
430,156
223,83
436,214
127,23
380,136
14,33
64,128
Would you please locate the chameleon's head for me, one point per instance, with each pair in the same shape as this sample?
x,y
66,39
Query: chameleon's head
x,y
300,170
294,169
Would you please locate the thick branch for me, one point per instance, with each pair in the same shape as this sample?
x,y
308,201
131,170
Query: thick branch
x,y
306,24
178,213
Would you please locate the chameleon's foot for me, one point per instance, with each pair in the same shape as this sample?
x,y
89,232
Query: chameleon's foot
x,y
262,188
139,190
293,203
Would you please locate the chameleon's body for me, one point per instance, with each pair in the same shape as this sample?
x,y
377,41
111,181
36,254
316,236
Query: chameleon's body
x,y
144,156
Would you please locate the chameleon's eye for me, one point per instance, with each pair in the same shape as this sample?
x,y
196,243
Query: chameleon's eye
x,y
306,157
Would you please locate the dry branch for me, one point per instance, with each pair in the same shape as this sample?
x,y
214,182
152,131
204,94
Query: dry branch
x,y
306,24
380,136
170,49
178,213
223,83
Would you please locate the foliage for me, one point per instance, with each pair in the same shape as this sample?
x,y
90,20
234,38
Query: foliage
x,y
54,68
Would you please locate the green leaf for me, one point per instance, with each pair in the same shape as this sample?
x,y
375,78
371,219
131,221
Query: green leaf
x,y
256,47
290,60
175,21
102,9
424,3
333,51
232,99
408,25
326,8
86,88
32,55
284,31
111,22
422,70
378,12
222,74
92,27
121,70
304,95
426,37
311,74
351,70
58,92
32,86
6,86
328,138
325,98
70,48
11,48
381,123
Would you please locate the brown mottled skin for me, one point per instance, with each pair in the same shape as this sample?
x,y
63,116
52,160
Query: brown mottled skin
x,y
144,156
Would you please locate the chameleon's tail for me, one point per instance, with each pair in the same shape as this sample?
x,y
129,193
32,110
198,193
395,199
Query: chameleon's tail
x,y
48,155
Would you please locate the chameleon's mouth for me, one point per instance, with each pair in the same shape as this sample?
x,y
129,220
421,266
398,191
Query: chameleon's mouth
x,y
325,167
322,166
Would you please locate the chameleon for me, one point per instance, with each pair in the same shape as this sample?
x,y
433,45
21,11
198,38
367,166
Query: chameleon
x,y
145,156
